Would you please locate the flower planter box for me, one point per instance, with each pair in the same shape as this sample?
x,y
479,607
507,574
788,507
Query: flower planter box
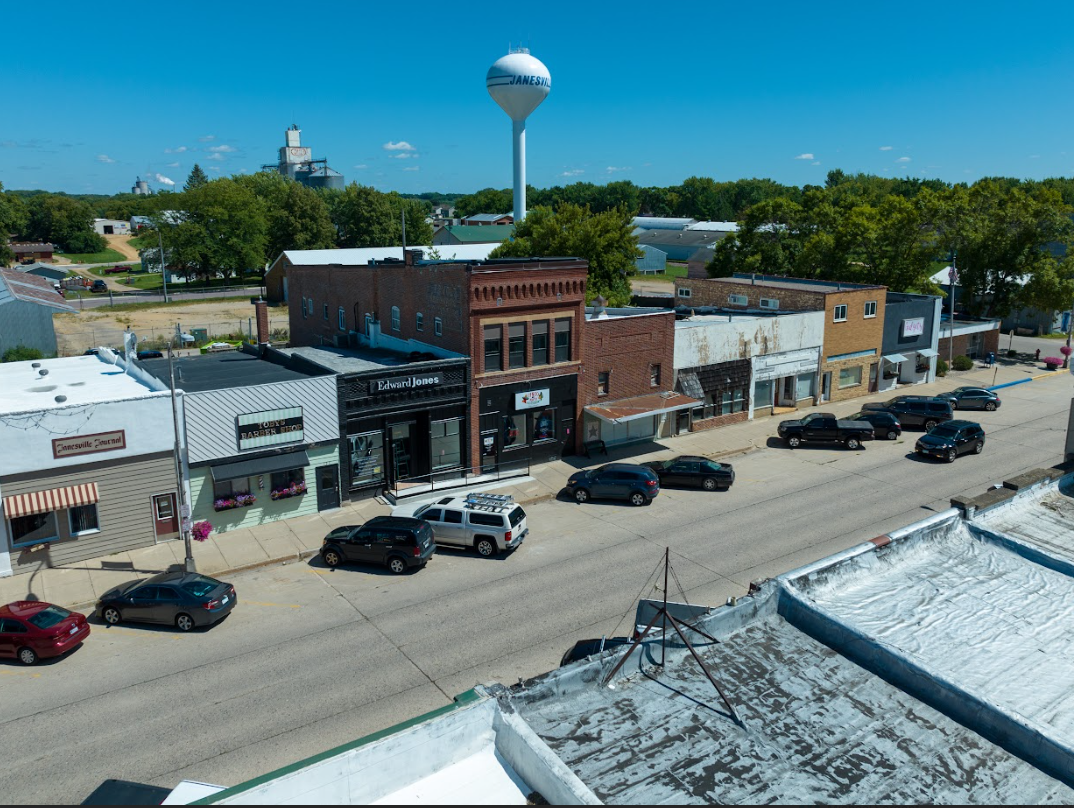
x,y
296,490
238,501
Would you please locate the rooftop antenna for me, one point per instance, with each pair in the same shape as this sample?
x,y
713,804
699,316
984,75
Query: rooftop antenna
x,y
666,617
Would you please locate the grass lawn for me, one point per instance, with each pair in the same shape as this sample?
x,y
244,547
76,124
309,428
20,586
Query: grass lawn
x,y
108,256
142,242
671,273
138,306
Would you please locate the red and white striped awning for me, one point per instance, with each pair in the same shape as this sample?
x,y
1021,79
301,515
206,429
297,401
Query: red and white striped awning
x,y
55,499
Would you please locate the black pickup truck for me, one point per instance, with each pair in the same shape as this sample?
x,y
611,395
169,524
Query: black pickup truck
x,y
823,426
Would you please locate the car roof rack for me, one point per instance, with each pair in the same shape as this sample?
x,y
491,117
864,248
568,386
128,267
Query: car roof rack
x,y
489,502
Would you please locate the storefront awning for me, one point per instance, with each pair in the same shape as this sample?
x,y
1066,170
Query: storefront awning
x,y
55,499
895,358
928,352
262,465
689,384
630,409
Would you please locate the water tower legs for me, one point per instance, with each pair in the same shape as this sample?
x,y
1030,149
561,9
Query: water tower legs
x,y
518,129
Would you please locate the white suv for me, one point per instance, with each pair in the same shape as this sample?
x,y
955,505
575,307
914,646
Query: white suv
x,y
490,523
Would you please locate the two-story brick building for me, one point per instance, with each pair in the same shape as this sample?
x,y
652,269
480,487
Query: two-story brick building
x,y
853,324
518,319
627,382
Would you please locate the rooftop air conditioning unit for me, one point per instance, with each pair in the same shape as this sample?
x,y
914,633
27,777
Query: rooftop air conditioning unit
x,y
768,303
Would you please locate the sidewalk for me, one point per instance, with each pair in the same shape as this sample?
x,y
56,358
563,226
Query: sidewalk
x,y
80,585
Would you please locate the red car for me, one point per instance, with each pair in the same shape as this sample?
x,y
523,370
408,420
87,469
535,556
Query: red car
x,y
32,630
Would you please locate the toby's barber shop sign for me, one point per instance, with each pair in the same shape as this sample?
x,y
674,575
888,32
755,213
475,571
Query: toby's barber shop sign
x,y
269,428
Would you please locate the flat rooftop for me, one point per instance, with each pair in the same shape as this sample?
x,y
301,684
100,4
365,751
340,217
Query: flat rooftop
x,y
797,284
817,729
221,371
1044,520
81,379
360,360
971,612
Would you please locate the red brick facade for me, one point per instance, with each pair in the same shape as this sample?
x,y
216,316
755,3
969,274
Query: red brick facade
x,y
975,346
630,350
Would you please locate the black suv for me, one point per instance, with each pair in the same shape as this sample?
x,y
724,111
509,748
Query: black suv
x,y
885,424
636,484
916,410
396,542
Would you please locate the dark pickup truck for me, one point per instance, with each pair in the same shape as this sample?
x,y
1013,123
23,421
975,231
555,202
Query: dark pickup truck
x,y
823,426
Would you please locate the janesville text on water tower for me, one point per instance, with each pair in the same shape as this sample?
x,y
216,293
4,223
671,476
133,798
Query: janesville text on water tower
x,y
518,83
296,162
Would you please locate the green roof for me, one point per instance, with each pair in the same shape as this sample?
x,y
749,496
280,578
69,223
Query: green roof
x,y
476,234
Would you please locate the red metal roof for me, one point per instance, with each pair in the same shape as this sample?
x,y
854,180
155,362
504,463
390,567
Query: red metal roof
x,y
32,289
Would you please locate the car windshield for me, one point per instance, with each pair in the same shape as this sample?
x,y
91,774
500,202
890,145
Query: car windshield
x,y
943,432
47,618
200,586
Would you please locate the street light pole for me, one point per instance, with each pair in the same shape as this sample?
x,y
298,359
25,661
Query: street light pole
x,y
163,268
952,276
184,512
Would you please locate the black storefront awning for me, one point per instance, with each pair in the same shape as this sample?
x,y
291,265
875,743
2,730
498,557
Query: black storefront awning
x,y
261,465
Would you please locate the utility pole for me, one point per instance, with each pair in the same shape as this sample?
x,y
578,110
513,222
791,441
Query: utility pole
x,y
184,510
952,276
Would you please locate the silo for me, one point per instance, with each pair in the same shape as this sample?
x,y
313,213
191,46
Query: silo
x,y
324,177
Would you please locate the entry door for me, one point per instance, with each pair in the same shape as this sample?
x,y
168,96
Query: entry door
x,y
327,487
874,381
400,447
826,387
165,516
566,430
489,448
788,390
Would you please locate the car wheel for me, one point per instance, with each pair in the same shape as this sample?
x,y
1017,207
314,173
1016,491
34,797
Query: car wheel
x,y
332,558
794,441
929,424
396,565
184,622
112,616
27,656
709,484
951,455
991,406
853,443
892,434
486,548
979,447
638,498
581,496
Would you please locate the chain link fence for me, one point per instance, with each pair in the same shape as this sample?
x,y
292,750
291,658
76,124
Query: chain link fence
x,y
73,343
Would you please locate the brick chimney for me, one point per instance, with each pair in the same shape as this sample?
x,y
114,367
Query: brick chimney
x,y
410,257
261,310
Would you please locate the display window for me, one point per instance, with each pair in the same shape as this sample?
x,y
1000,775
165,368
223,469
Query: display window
x,y
544,425
367,457
33,529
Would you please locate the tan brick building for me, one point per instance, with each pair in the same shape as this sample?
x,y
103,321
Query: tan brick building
x,y
853,324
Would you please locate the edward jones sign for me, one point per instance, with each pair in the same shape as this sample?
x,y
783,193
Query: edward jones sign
x,y
399,383
269,428
89,444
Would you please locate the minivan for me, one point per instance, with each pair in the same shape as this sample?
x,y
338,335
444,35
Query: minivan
x,y
489,523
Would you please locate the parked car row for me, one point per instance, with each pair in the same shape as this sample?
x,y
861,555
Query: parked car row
x,y
35,630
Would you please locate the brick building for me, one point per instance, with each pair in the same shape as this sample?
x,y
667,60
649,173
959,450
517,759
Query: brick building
x,y
965,337
519,320
853,328
627,383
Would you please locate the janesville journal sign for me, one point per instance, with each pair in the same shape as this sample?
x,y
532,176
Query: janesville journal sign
x,y
269,428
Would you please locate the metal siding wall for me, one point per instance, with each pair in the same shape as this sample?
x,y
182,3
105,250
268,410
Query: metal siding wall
x,y
124,512
28,324
210,416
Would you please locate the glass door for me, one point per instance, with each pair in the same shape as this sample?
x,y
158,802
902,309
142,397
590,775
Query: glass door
x,y
489,450
400,444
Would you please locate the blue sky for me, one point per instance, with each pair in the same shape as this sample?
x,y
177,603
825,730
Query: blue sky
x,y
653,94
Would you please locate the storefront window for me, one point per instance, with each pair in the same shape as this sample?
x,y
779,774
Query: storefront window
x,y
849,377
223,489
725,402
805,386
540,342
512,438
493,348
287,479
446,444
367,457
738,400
563,340
33,529
544,425
516,345
762,394
83,519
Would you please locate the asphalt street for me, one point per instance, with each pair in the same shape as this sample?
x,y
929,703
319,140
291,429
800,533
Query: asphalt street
x,y
312,658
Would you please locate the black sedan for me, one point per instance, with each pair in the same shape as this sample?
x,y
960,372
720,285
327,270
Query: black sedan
x,y
885,424
150,355
181,599
694,470
951,439
972,398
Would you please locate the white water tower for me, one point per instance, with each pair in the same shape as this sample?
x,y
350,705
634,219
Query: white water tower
x,y
518,83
